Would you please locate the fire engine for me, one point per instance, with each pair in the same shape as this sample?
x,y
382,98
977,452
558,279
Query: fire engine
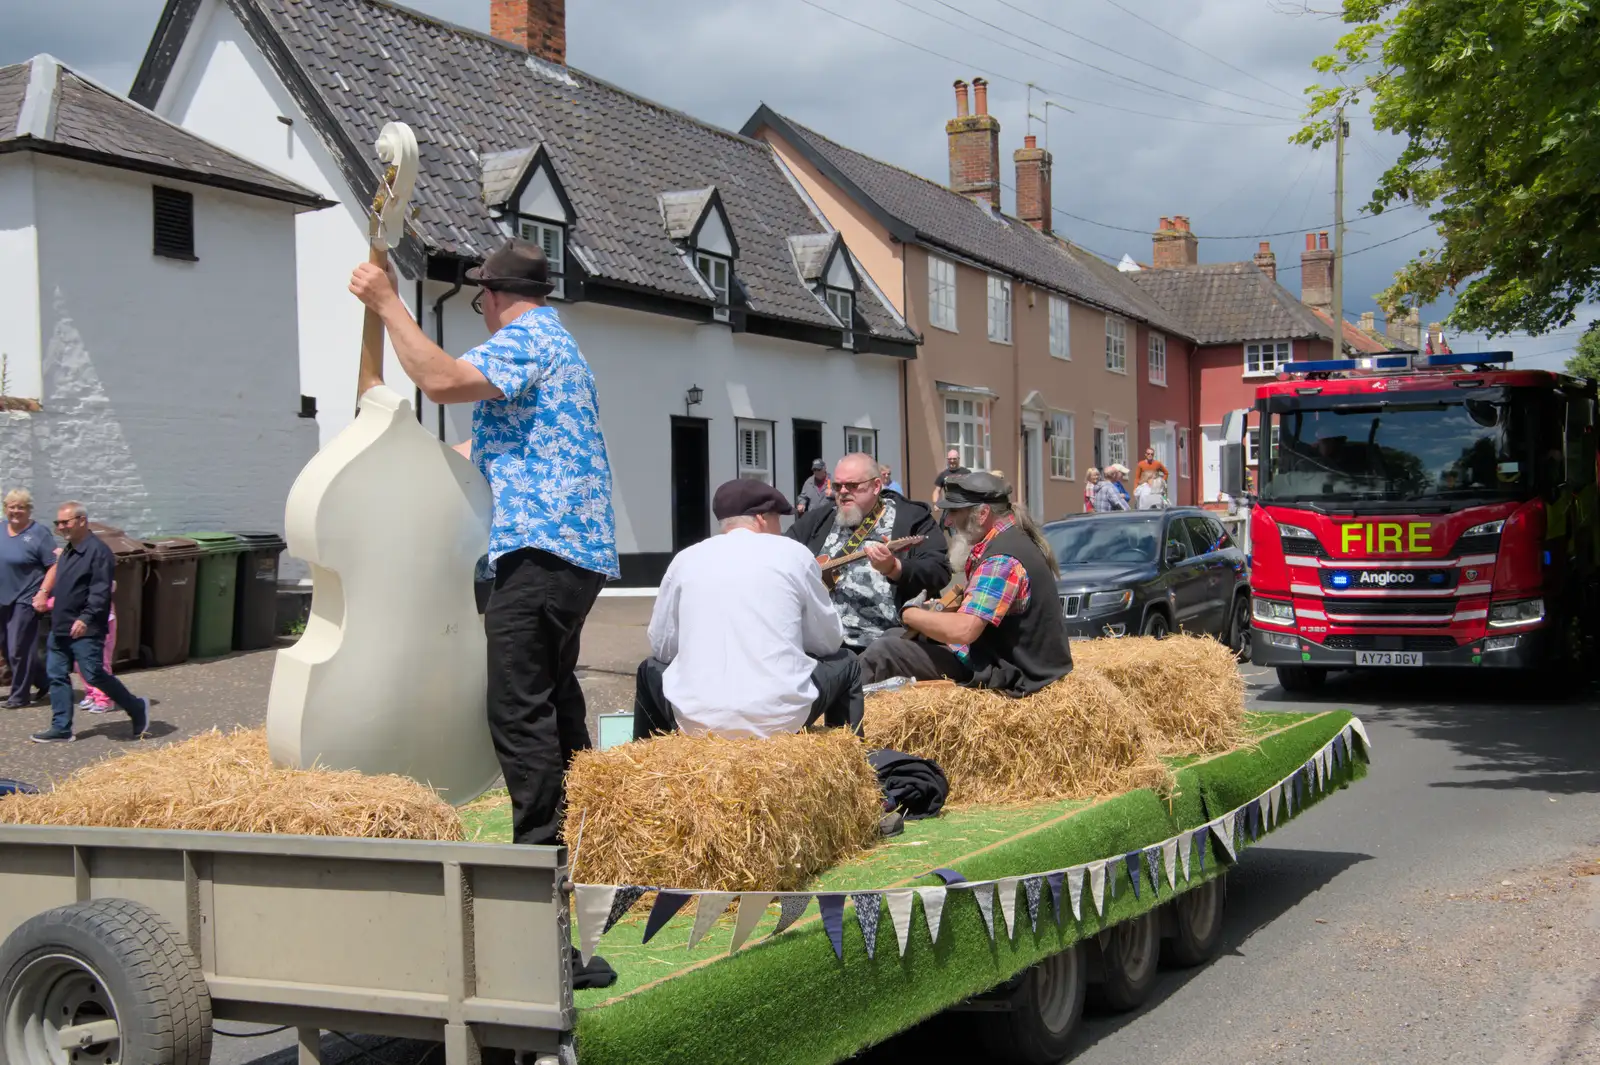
x,y
1416,510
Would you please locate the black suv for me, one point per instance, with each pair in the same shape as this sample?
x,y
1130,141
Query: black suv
x,y
1149,572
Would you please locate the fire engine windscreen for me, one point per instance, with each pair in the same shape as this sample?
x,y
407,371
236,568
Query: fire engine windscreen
x,y
1491,444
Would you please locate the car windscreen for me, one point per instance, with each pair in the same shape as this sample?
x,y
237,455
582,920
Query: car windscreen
x,y
1101,541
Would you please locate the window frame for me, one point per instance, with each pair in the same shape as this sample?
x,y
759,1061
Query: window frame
x,y
764,428
558,264
724,295
860,434
1117,344
1115,432
1060,330
1287,351
999,292
940,309
181,200
846,315
1155,341
981,417
1252,444
1068,420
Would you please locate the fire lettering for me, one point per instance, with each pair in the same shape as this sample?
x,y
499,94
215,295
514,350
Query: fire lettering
x,y
1348,533
1389,537
1386,537
1417,538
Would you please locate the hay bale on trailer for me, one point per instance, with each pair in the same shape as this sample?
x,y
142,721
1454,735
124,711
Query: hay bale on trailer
x,y
1188,688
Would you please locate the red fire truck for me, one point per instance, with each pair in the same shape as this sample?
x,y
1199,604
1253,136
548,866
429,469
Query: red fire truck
x,y
1423,510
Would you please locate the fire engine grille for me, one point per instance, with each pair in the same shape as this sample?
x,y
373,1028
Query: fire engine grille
x,y
1388,643
1375,608
1301,547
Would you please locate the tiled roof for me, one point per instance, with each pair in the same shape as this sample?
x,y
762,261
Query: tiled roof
x,y
1361,342
354,65
46,107
937,216
1229,302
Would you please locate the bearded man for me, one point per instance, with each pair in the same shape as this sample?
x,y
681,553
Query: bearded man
x,y
1007,635
864,516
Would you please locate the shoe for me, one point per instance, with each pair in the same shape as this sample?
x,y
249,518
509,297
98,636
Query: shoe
x,y
85,703
891,824
52,736
99,708
9,705
141,720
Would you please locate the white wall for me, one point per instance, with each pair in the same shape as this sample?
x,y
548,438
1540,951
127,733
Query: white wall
x,y
170,393
19,291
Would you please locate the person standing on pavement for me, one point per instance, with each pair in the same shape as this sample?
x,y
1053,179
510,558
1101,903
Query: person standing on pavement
x,y
81,584
1150,464
536,437
1091,478
815,491
27,552
952,467
1109,494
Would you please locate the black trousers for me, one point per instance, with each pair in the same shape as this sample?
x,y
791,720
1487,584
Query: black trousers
x,y
897,653
537,715
839,700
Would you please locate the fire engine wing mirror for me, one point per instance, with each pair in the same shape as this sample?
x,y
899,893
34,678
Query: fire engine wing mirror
x,y
1233,426
1230,462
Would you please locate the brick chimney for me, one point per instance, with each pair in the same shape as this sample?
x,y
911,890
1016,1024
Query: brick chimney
x,y
1173,245
1369,322
974,145
540,26
1316,274
1033,183
1266,261
1403,328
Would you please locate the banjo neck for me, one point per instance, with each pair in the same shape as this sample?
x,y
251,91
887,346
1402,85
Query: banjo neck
x,y
828,565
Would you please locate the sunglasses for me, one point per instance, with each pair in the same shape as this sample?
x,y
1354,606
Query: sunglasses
x,y
477,301
62,523
852,487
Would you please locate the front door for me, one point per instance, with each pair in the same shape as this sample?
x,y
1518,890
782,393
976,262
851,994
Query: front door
x,y
807,449
691,482
1099,447
1211,462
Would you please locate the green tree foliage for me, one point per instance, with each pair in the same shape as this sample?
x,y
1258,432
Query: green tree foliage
x,y
1586,363
1499,104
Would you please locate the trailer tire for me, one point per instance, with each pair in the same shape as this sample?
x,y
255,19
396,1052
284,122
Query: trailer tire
x,y
1197,925
108,963
1130,955
1039,1030
1299,679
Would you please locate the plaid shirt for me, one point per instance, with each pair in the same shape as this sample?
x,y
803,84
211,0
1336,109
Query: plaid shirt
x,y
995,584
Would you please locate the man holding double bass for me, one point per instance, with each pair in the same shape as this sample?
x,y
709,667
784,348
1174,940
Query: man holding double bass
x,y
536,438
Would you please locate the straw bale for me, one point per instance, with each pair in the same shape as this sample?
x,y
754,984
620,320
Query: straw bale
x,y
729,815
1188,688
226,782
1078,738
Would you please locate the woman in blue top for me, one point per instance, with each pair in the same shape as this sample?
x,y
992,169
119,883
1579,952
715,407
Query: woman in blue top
x,y
27,550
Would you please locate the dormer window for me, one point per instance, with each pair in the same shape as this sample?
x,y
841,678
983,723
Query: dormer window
x,y
532,204
552,238
715,270
825,265
698,222
843,306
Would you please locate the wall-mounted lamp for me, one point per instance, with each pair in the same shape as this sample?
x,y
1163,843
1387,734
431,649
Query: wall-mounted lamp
x,y
692,398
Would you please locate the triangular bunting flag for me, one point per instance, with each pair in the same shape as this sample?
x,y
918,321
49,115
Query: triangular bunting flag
x,y
1361,730
1327,776
932,909
1131,860
983,895
625,898
752,907
1338,750
1057,882
899,903
1152,862
1032,889
790,908
594,906
1097,886
708,906
1008,904
869,907
832,907
1169,858
1257,819
1075,890
1185,851
1202,838
1274,802
668,903
1223,830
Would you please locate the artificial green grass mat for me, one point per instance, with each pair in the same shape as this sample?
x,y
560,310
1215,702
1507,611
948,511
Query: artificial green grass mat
x,y
789,1000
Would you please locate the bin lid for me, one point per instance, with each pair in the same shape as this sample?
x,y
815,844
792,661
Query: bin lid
x,y
209,543
171,548
261,541
102,530
126,548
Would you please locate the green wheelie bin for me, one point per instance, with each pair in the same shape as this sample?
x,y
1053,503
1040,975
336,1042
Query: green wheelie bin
x,y
216,587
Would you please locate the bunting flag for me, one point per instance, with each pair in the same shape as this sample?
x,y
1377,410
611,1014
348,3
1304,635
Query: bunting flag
x,y
1359,729
708,907
594,906
1338,750
899,903
1185,851
1131,860
1327,773
1097,886
1075,890
1258,819
668,903
621,904
1057,882
983,895
1032,889
932,909
832,907
869,907
1236,829
1169,857
752,907
1222,828
790,909
1152,861
1275,803
1008,904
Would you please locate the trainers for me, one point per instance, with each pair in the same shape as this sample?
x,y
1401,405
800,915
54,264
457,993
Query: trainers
x,y
99,708
141,720
85,703
52,736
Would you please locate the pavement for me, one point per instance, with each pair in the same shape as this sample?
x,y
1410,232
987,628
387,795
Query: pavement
x,y
1447,908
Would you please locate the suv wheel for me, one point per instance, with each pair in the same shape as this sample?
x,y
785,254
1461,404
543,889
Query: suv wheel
x,y
1155,624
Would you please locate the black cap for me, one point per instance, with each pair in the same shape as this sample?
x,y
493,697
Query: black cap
x,y
517,266
818,464
970,489
743,499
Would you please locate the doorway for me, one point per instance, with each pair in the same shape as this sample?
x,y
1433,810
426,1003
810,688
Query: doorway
x,y
807,449
1033,464
691,481
1099,447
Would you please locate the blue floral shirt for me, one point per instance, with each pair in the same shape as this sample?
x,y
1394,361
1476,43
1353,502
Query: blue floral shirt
x,y
540,448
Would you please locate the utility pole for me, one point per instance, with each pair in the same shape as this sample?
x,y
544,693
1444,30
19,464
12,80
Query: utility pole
x,y
1340,131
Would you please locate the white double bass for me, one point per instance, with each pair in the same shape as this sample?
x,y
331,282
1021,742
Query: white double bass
x,y
390,674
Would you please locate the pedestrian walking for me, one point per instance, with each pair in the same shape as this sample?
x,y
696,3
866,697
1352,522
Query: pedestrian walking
x,y
1091,478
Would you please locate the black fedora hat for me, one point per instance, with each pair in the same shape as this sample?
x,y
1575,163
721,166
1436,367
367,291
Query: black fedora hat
x,y
517,266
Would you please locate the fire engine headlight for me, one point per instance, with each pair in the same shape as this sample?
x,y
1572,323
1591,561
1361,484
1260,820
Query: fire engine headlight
x,y
1272,611
1503,615
1488,528
1101,602
1295,530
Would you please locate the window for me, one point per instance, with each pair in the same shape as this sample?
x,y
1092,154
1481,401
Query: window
x,y
1116,345
966,429
1252,445
1158,359
862,440
174,223
1117,444
1265,358
1060,331
942,293
552,239
755,450
1061,458
999,310
1183,453
714,268
842,304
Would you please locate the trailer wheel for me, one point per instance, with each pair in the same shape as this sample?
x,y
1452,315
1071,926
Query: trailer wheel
x,y
1046,1007
1301,678
104,982
1197,920
1131,953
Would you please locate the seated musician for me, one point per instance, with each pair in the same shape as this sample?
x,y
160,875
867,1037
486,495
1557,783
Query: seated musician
x,y
1007,633
743,640
863,516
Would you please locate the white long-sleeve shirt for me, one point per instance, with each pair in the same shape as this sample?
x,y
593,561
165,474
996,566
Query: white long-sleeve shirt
x,y
735,618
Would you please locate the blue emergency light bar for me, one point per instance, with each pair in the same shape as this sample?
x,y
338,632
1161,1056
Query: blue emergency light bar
x,y
1400,361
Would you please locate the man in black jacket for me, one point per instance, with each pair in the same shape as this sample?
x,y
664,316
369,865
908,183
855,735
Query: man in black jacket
x,y
862,516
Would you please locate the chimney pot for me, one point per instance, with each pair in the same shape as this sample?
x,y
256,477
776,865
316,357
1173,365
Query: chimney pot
x,y
1322,240
1030,141
961,98
980,96
1166,223
1264,248
1180,222
540,26
1033,171
1311,242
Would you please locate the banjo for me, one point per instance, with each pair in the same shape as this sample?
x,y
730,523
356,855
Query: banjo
x,y
832,566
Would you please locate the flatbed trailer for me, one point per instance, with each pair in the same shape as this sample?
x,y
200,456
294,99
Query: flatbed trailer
x,y
122,945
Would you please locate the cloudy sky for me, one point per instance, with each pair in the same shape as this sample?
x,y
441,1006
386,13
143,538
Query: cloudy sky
x,y
1157,108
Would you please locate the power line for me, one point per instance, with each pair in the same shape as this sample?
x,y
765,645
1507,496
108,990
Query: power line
x,y
1022,84
1311,157
1188,44
1369,247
